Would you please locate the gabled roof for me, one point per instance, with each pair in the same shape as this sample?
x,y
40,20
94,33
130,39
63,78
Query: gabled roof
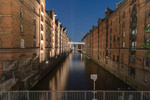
x,y
120,3
43,1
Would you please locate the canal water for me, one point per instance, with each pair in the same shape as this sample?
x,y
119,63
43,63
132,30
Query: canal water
x,y
74,74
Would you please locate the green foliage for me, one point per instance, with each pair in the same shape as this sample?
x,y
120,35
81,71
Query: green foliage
x,y
147,46
147,53
147,30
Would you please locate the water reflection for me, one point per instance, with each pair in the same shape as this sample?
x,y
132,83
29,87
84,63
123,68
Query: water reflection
x,y
105,81
59,79
74,74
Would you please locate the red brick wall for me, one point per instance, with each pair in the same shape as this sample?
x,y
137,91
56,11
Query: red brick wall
x,y
116,24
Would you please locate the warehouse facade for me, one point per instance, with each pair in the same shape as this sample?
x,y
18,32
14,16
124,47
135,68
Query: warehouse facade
x,y
116,42
29,37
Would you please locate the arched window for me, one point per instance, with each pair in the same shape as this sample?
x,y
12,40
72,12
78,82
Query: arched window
x,y
21,14
42,8
42,28
22,43
42,18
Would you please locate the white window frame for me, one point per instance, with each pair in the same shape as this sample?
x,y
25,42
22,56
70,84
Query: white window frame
x,y
21,28
22,43
123,44
134,32
124,35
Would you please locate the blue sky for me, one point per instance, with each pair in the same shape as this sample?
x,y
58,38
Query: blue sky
x,y
79,15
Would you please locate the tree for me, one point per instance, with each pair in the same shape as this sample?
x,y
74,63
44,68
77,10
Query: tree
x,y
147,46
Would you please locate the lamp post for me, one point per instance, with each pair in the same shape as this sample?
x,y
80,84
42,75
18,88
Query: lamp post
x,y
94,78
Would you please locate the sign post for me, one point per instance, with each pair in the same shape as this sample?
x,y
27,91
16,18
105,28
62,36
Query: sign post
x,y
94,78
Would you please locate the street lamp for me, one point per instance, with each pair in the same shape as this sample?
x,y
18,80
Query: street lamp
x,y
94,78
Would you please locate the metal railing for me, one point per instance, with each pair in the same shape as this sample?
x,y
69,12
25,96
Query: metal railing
x,y
75,95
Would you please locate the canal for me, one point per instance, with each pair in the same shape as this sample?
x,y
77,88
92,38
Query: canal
x,y
74,74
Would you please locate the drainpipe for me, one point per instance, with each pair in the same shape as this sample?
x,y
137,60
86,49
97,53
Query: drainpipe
x,y
119,38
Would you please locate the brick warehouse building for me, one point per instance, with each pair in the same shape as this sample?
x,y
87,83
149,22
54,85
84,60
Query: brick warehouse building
x,y
116,42
29,36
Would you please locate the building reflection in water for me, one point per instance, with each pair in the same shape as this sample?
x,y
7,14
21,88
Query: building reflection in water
x,y
58,81
105,81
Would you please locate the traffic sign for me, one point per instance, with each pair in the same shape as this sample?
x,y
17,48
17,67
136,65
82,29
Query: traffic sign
x,y
94,77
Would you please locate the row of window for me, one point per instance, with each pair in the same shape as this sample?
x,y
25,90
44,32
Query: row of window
x,y
132,72
133,45
22,44
146,60
133,33
34,23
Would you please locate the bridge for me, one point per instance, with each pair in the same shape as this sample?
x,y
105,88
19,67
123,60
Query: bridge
x,y
81,43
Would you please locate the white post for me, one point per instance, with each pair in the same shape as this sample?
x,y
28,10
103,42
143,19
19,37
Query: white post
x,y
28,96
94,90
9,96
122,95
84,95
104,95
94,78
142,95
94,85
